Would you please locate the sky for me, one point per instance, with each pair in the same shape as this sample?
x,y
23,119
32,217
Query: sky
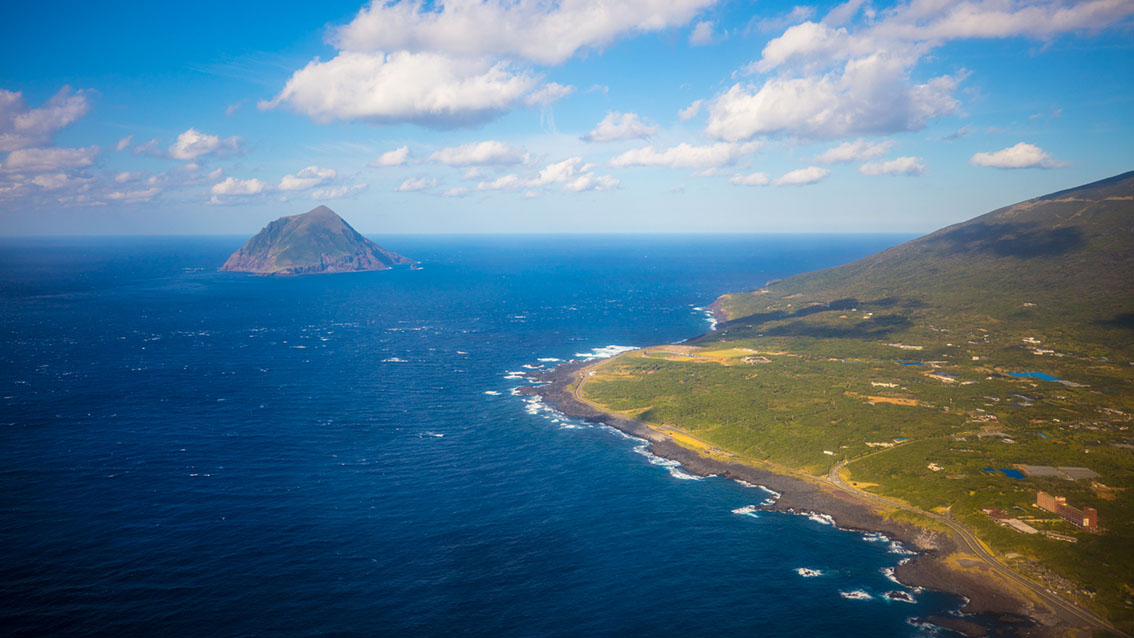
x,y
576,116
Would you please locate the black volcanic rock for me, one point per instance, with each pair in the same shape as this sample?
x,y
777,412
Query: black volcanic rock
x,y
318,241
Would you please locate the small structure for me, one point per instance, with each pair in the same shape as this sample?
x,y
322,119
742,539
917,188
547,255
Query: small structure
x,y
1086,518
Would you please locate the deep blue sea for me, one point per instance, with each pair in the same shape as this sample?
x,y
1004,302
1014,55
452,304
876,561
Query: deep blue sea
x,y
185,452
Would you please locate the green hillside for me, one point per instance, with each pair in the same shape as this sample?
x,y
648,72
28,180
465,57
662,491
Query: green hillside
x,y
907,366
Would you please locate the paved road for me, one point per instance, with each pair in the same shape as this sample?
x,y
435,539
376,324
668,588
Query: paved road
x,y
973,545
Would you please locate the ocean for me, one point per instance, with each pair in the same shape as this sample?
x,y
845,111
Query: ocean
x,y
185,452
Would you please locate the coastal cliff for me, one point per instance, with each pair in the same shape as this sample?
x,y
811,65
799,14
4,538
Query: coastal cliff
x,y
318,241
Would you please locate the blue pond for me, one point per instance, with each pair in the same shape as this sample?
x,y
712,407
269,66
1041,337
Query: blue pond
x,y
1034,375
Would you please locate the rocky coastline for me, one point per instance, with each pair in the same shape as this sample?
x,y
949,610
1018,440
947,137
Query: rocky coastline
x,y
988,606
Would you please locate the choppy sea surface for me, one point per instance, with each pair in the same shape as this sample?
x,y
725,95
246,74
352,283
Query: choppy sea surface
x,y
185,452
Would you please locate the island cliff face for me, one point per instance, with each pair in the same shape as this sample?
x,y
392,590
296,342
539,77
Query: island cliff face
x,y
318,241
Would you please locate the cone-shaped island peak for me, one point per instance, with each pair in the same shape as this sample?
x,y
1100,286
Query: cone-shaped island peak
x,y
318,241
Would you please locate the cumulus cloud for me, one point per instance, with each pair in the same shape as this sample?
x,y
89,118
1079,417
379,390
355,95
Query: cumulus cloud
x,y
417,184
831,79
528,29
901,166
859,149
752,179
871,95
21,127
124,143
424,88
548,94
690,111
702,34
803,176
456,191
396,157
338,192
571,174
1021,155
487,153
683,155
620,126
309,177
456,63
233,186
136,196
46,160
193,144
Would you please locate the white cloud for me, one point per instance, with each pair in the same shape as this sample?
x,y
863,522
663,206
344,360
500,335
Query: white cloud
x,y
396,157
833,79
702,34
456,191
1021,155
424,88
572,173
487,153
900,166
943,21
233,186
455,63
620,126
124,143
46,160
338,192
56,181
21,127
869,95
690,111
503,183
802,44
548,94
127,176
752,179
591,182
309,177
683,155
859,149
417,184
528,29
133,196
193,144
802,176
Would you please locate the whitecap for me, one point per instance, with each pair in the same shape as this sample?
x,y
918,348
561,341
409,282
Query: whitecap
x,y
493,393
548,359
677,473
855,594
901,550
393,360
603,353
824,519
807,572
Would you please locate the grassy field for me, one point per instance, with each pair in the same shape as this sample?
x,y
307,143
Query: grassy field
x,y
902,364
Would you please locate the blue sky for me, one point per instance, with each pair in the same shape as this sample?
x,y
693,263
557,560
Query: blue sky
x,y
576,116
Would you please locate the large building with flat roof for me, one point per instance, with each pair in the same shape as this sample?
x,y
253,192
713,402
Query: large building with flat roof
x,y
1086,518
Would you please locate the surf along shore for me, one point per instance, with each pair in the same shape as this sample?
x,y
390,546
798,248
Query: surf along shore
x,y
949,558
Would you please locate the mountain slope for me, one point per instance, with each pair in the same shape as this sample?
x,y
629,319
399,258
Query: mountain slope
x,y
318,241
1064,259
